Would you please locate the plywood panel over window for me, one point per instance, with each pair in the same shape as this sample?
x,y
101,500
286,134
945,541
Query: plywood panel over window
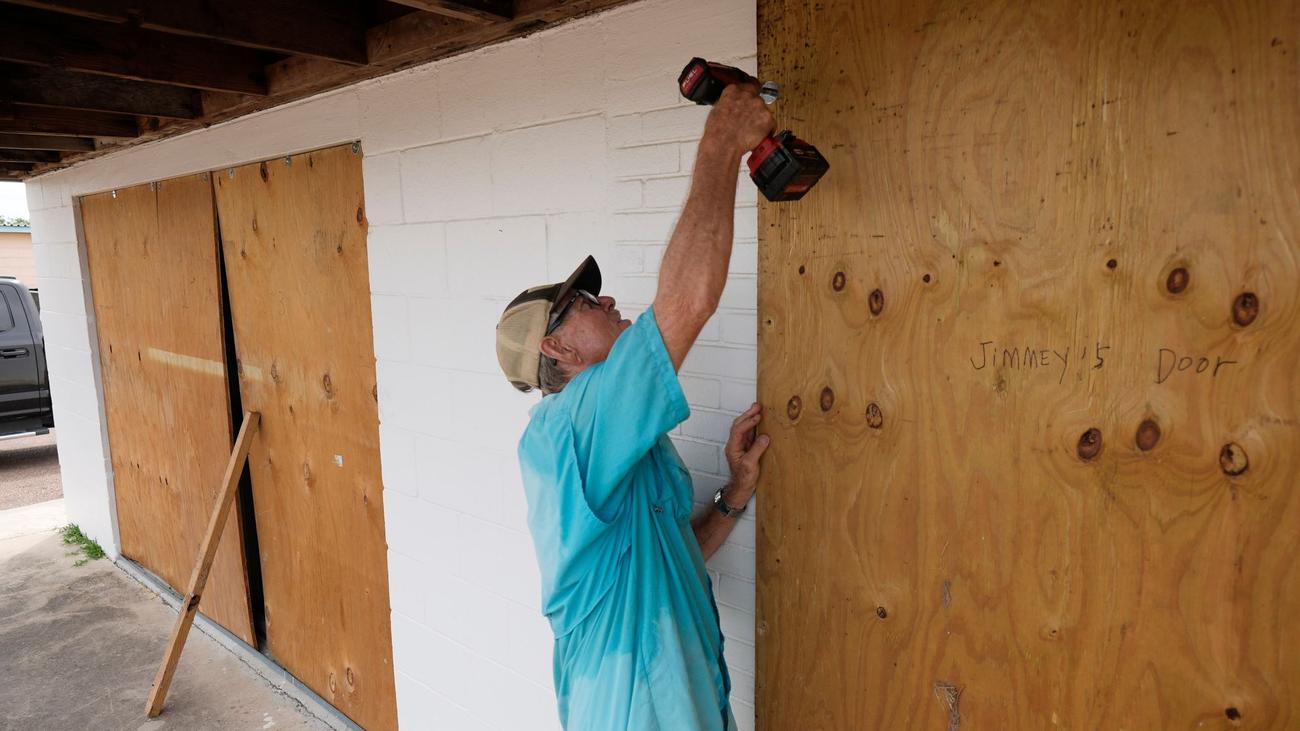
x,y
294,234
1028,357
152,252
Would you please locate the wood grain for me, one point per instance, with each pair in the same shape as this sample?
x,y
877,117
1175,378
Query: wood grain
x,y
294,239
152,253
1056,485
189,606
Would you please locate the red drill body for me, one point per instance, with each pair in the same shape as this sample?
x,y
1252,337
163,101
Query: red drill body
x,y
783,166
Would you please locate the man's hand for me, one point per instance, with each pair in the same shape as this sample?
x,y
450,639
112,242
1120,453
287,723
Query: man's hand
x,y
744,448
739,120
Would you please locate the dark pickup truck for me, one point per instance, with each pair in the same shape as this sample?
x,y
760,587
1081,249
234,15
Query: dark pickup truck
x,y
24,385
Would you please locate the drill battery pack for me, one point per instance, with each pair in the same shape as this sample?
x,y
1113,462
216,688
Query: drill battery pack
x,y
785,167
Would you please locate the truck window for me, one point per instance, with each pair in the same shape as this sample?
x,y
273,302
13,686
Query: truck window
x,y
6,317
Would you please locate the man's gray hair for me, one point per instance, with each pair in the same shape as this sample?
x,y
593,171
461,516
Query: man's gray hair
x,y
551,376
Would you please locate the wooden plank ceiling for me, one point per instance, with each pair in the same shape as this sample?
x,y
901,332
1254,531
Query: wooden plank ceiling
x,y
80,78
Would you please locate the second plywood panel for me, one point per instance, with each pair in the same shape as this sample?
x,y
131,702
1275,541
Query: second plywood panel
x,y
1029,358
152,252
294,236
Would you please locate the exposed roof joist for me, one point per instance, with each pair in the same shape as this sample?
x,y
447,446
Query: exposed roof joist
x,y
79,78
92,92
32,156
330,29
23,119
59,143
474,11
75,44
14,170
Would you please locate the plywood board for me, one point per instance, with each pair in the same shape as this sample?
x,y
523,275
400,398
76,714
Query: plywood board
x,y
1028,358
294,234
152,253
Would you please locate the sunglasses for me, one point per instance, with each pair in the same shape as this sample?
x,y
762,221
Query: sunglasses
x,y
560,313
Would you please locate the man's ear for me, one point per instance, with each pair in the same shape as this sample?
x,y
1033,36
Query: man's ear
x,y
553,347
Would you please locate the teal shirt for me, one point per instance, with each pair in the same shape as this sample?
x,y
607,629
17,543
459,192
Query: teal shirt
x,y
637,640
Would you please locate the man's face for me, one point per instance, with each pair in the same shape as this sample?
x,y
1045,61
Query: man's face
x,y
591,328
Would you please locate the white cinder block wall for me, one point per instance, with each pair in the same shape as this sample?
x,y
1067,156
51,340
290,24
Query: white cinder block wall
x,y
483,174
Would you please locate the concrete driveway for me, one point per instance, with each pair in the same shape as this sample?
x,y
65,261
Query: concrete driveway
x,y
79,647
29,471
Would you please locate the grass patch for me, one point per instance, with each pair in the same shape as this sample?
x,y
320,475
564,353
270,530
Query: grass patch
x,y
88,549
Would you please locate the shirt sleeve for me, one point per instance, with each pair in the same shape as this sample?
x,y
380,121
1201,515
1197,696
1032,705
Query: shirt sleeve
x,y
619,409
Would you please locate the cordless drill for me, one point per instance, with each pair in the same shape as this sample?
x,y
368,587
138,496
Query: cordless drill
x,y
783,166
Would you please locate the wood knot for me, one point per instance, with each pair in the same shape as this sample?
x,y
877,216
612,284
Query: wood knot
x,y
876,301
793,408
1177,281
1245,308
1233,460
827,399
328,384
275,372
361,214
875,419
1089,444
261,170
837,282
882,613
925,278
1111,263
1148,435
351,679
802,269
1232,713
334,683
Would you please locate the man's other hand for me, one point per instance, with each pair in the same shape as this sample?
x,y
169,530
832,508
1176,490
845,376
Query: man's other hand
x,y
739,120
744,448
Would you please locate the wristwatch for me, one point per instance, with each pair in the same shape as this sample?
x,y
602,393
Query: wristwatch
x,y
726,509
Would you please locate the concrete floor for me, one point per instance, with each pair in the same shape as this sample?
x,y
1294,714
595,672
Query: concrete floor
x,y
79,647
29,471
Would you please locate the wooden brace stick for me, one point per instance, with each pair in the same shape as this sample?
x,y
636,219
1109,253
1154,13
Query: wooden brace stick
x,y
207,551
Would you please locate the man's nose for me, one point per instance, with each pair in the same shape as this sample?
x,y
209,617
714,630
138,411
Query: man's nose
x,y
607,303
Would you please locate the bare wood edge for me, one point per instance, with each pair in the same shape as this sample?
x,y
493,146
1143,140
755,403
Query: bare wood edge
x,y
400,44
459,10
207,552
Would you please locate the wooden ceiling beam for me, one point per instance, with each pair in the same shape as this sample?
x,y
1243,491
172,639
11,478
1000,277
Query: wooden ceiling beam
x,y
329,29
75,44
22,119
46,142
32,156
92,92
411,39
15,170
474,11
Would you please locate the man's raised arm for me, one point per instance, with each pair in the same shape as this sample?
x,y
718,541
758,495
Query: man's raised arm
x,y
694,268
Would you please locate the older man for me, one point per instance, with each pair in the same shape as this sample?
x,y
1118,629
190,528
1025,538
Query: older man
x,y
637,641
